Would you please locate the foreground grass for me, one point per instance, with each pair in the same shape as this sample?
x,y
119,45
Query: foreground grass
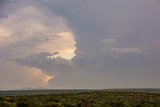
x,y
84,99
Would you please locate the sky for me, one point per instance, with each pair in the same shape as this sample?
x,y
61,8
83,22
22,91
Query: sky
x,y
79,44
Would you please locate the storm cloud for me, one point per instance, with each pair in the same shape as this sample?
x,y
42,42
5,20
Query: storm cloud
x,y
80,44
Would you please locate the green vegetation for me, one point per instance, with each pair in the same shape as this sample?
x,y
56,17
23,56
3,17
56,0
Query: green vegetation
x,y
84,99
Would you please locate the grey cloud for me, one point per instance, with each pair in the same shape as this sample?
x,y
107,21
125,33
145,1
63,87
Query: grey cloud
x,y
124,50
47,65
128,28
130,23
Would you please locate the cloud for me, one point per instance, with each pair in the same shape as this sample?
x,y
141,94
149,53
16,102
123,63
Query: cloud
x,y
125,50
31,31
15,76
108,41
156,44
63,70
83,44
51,66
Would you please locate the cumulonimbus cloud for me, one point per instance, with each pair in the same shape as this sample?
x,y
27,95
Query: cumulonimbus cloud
x,y
32,29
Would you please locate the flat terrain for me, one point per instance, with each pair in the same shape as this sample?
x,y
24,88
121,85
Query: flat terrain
x,y
82,98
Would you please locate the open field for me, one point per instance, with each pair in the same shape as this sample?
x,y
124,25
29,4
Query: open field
x,y
82,98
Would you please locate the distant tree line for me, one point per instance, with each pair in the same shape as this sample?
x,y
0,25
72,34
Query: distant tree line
x,y
84,99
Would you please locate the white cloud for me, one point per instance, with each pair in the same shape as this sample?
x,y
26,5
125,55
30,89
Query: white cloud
x,y
14,76
29,30
32,30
